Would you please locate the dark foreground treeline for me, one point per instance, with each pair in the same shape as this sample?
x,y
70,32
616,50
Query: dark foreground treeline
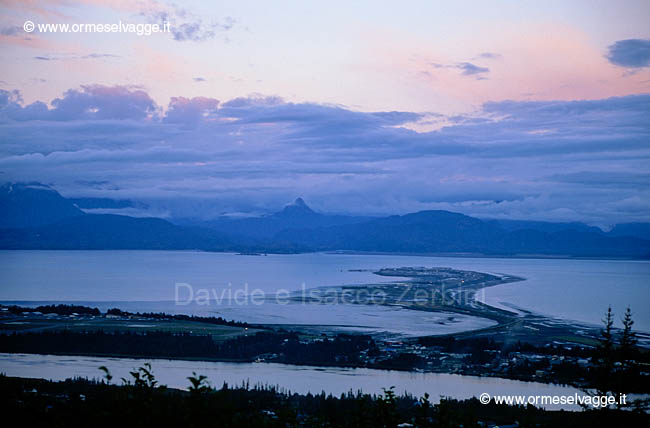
x,y
284,347
141,402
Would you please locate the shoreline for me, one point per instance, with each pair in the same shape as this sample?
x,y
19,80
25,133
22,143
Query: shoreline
x,y
455,291
345,252
287,365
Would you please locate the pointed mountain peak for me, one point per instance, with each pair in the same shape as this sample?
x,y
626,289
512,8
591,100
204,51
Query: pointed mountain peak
x,y
297,207
299,202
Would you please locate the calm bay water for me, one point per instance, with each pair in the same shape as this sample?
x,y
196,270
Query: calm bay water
x,y
571,289
145,281
299,379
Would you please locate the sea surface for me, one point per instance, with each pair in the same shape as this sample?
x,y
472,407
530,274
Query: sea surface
x,y
571,289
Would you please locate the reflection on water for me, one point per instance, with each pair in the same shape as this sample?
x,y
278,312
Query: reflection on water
x,y
300,379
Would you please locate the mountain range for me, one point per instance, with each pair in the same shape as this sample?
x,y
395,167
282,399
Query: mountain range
x,y
34,216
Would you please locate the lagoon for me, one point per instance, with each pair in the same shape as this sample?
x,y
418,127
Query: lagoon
x,y
298,379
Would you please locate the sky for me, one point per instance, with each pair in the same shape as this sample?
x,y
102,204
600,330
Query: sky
x,y
521,110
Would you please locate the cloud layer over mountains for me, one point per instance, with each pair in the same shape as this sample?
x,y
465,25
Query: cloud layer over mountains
x,y
202,157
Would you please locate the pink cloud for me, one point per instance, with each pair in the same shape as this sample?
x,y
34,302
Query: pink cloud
x,y
549,62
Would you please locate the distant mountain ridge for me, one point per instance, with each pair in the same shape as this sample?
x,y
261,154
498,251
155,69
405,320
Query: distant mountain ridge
x,y
99,203
424,231
447,232
112,232
33,204
542,226
37,217
640,230
295,215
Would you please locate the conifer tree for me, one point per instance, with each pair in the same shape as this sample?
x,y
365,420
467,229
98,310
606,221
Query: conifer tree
x,y
628,337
